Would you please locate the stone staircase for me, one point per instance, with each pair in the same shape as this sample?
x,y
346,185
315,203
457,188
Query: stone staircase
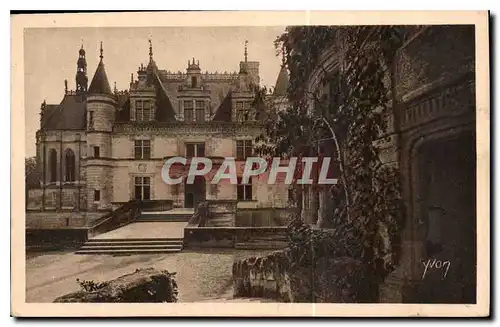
x,y
127,246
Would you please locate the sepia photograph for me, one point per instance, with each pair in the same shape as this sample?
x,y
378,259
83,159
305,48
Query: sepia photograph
x,y
263,165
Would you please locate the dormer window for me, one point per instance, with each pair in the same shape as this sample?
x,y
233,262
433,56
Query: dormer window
x,y
143,110
194,82
242,111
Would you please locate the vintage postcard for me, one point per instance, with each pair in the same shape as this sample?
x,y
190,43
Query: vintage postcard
x,y
250,164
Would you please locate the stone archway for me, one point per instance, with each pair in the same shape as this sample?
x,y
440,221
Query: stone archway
x,y
444,214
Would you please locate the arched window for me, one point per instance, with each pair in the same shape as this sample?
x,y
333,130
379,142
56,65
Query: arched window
x,y
69,166
53,165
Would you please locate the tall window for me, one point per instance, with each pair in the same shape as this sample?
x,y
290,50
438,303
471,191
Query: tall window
x,y
142,188
195,150
188,110
244,149
194,82
200,110
53,165
142,149
91,119
97,195
97,152
69,166
142,110
244,191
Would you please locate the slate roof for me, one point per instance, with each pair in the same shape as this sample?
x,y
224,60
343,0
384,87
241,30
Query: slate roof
x,y
165,110
224,111
70,114
123,108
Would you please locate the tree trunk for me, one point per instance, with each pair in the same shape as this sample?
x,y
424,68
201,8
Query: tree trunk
x,y
322,210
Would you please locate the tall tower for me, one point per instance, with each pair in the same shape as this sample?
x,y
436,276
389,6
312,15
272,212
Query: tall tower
x,y
81,72
250,67
101,104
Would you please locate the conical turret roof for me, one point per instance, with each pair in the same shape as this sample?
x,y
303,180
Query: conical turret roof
x,y
100,83
281,86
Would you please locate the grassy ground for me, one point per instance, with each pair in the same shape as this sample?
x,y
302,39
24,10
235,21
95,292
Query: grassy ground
x,y
201,275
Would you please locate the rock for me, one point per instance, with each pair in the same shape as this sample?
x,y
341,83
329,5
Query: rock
x,y
143,285
262,277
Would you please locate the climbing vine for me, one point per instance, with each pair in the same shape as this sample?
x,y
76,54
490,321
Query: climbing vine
x,y
350,119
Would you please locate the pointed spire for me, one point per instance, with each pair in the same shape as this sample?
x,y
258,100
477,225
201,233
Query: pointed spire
x,y
101,56
246,50
150,50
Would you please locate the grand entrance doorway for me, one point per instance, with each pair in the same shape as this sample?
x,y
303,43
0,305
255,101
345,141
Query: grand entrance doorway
x,y
194,193
446,209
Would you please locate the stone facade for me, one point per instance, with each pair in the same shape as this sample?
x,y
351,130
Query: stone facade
x,y
120,139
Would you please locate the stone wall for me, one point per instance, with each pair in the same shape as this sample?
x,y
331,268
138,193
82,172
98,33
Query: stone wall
x,y
65,198
63,219
59,238
261,217
229,237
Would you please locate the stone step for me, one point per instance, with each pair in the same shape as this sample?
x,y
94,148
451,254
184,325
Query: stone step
x,y
132,247
126,242
127,251
100,240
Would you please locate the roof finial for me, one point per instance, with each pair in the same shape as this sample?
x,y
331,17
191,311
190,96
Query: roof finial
x,y
131,77
150,50
246,50
82,44
65,86
101,56
115,89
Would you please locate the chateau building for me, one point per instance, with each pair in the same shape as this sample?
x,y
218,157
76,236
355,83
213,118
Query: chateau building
x,y
101,147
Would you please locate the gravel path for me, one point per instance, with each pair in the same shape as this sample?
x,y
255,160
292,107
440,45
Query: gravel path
x,y
201,275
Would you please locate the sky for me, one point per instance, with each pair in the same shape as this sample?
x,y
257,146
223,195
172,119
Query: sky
x,y
50,56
